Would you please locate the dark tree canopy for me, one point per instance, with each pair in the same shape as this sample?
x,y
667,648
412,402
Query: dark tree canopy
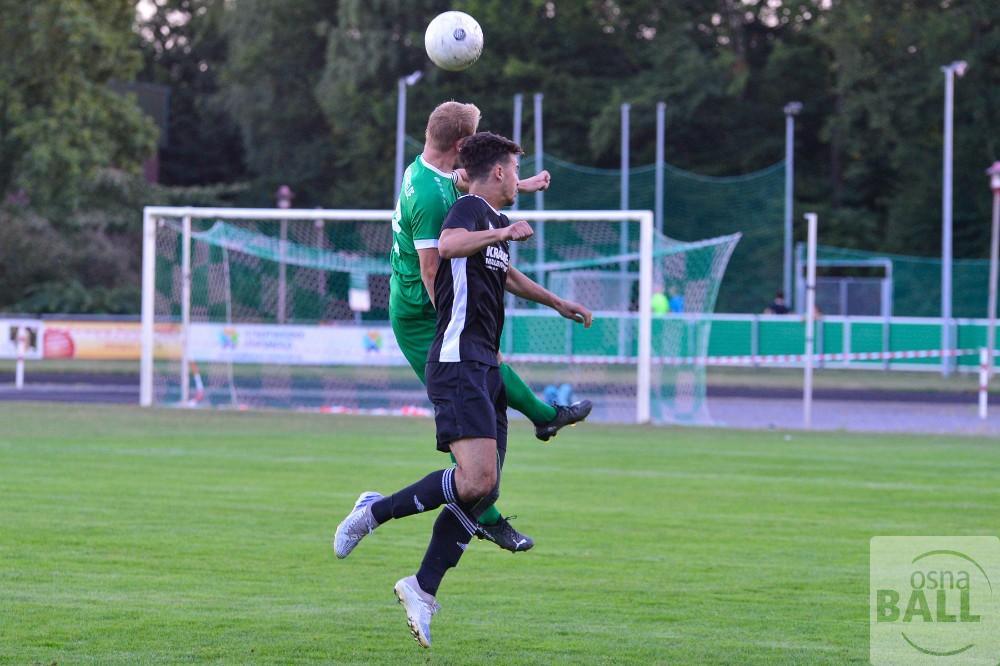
x,y
303,92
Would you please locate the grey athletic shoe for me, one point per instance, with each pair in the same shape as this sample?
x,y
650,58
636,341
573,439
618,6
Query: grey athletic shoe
x,y
420,608
358,524
565,415
504,535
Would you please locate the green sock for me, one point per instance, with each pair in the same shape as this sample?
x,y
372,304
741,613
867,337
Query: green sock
x,y
523,399
491,516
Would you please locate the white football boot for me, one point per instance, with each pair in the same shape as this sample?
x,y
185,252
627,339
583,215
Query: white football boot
x,y
358,524
420,608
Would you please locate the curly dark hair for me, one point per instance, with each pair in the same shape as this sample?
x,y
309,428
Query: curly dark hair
x,y
482,151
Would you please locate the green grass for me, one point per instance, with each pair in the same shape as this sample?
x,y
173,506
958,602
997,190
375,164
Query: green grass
x,y
131,536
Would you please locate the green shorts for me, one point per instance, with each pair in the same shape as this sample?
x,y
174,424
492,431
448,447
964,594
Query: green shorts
x,y
414,337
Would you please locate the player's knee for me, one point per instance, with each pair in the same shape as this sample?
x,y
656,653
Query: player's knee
x,y
482,485
477,484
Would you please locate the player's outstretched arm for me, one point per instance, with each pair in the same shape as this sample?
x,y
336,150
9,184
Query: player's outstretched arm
x,y
456,242
537,183
521,285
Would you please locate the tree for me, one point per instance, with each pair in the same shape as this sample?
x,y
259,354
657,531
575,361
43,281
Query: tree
x,y
885,129
371,43
59,119
275,60
185,47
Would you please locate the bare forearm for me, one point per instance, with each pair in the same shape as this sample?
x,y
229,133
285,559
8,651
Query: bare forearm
x,y
428,280
429,259
522,286
456,243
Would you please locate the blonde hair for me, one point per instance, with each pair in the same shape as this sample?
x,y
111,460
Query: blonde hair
x,y
451,122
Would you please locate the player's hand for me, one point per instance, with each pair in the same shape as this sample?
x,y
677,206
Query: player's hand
x,y
537,183
461,179
575,311
518,231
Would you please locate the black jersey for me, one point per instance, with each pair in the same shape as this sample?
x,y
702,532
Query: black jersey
x,y
469,291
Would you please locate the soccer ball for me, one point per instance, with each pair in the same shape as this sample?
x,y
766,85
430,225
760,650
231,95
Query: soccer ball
x,y
453,41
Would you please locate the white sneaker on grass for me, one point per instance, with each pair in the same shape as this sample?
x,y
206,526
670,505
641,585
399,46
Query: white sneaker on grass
x,y
358,524
420,608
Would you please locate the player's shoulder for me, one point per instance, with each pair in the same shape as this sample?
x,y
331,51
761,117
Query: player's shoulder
x,y
422,173
466,212
428,187
469,205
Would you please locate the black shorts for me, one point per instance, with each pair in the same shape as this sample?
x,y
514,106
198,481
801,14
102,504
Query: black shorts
x,y
469,402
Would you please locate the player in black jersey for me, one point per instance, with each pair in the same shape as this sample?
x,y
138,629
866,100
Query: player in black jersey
x,y
463,377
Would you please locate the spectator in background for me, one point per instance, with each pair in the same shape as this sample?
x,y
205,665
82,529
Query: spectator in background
x,y
676,300
283,197
659,303
778,305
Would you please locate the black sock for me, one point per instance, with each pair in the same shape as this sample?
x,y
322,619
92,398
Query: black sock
x,y
426,494
451,535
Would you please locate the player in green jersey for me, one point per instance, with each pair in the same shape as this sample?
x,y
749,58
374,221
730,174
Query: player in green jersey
x,y
430,186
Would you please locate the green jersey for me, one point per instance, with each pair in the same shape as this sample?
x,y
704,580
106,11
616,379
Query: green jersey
x,y
424,199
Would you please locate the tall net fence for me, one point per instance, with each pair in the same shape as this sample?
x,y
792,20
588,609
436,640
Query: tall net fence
x,y
599,363
694,207
916,281
294,314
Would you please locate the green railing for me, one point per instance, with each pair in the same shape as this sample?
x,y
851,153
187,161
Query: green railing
x,y
613,334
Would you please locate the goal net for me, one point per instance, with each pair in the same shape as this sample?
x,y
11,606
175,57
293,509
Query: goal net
x,y
267,308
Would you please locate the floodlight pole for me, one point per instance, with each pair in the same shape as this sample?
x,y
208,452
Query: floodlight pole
x,y
518,115
402,84
807,384
539,195
623,228
283,200
539,151
957,67
516,134
991,335
661,133
625,108
791,110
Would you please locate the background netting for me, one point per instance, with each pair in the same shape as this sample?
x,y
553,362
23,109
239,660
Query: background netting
x,y
327,282
694,207
916,282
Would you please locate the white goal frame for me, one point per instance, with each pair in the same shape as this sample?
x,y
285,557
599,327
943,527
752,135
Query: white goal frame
x,y
151,214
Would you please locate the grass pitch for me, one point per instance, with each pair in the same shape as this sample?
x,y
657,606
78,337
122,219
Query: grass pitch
x,y
132,536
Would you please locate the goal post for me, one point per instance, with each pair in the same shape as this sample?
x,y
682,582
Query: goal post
x,y
288,308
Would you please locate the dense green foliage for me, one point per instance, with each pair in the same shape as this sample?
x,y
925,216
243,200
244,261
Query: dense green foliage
x,y
59,120
303,92
156,536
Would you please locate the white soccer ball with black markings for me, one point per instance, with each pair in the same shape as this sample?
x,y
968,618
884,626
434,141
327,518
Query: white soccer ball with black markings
x,y
453,41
